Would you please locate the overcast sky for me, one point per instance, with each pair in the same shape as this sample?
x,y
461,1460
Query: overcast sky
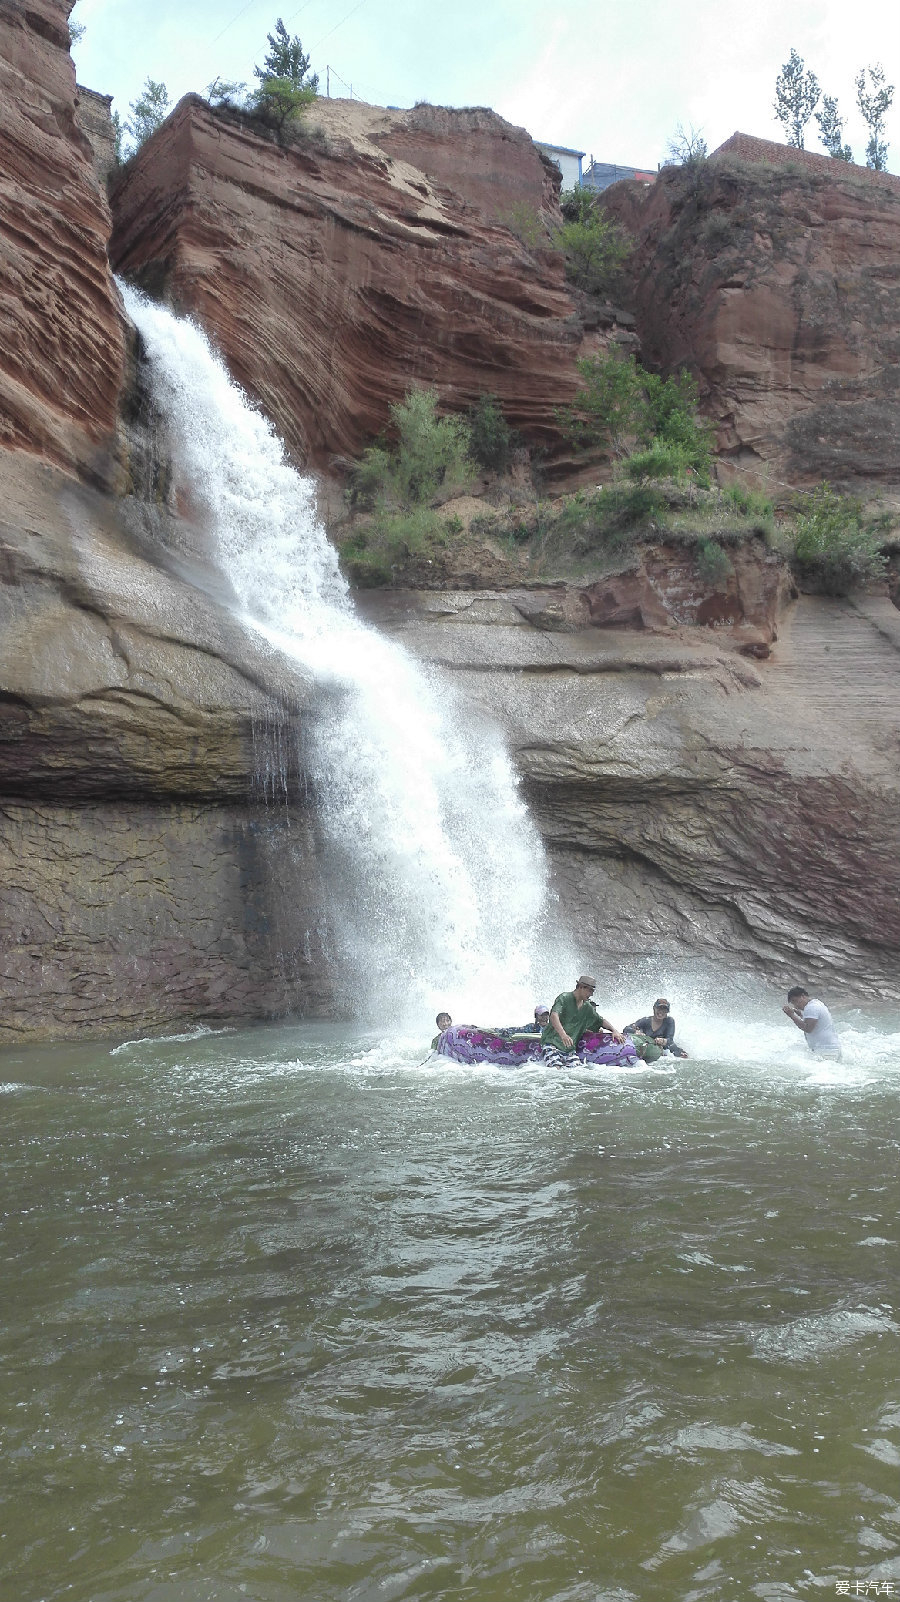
x,y
610,77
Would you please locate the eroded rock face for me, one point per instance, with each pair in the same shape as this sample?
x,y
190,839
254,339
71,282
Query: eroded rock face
x,y
61,327
142,732
773,275
696,805
336,274
146,883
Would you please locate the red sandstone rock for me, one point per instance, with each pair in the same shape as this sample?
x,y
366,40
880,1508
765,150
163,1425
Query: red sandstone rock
x,y
666,585
771,273
339,272
61,330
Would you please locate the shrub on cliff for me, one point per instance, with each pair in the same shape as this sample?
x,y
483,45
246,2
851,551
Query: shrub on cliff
x,y
490,436
672,420
622,406
392,541
608,408
661,461
431,453
835,548
527,224
277,103
595,247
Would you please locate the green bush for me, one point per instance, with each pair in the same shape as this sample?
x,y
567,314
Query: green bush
x,y
713,563
490,436
393,540
661,460
610,519
750,502
835,549
609,407
431,453
595,247
527,225
671,418
277,103
621,405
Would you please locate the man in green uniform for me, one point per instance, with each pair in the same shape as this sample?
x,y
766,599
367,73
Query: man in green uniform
x,y
571,1014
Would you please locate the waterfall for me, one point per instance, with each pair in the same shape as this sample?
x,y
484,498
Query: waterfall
x,y
436,876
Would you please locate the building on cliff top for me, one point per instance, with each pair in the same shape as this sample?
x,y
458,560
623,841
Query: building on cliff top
x,y
600,174
568,162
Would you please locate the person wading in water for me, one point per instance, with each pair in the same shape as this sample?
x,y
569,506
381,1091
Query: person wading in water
x,y
816,1022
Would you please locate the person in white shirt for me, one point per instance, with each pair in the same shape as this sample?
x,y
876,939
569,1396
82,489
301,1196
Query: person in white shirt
x,y
816,1022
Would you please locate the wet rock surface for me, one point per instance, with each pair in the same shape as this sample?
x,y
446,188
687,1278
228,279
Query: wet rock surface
x,y
713,767
695,803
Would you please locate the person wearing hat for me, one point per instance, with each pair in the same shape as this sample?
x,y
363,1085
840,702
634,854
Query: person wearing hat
x,y
541,1020
659,1027
571,1015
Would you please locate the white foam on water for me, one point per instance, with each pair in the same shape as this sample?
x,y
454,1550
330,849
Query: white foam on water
x,y
807,1340
436,875
199,1032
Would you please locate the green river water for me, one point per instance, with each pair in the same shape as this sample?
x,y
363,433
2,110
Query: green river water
x,y
287,1316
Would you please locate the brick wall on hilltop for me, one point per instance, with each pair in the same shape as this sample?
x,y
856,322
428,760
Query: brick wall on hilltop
x,y
744,147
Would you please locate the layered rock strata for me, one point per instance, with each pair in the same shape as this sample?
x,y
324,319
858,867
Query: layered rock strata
x,y
61,325
773,275
146,881
367,258
143,735
698,806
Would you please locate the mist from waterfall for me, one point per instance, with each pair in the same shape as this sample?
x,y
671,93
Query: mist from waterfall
x,y
436,876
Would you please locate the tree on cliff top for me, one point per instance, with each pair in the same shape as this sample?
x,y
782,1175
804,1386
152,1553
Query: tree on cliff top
x,y
796,98
874,106
286,84
287,61
147,113
831,129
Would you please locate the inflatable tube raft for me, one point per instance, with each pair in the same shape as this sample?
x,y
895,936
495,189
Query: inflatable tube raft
x,y
469,1044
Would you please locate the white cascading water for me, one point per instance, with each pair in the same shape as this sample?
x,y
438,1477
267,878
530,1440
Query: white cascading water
x,y
436,875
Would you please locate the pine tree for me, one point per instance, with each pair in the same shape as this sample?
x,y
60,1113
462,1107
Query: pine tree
x,y
287,61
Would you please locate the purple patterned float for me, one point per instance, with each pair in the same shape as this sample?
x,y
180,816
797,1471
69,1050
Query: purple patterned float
x,y
469,1044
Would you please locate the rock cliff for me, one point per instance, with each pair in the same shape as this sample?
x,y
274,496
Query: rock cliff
x,y
61,326
695,803
338,272
697,806
145,879
772,274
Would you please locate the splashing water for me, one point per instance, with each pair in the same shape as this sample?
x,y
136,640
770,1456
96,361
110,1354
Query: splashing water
x,y
436,875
